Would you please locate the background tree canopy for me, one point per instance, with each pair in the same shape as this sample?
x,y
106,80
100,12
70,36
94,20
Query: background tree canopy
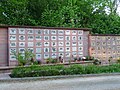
x,y
100,15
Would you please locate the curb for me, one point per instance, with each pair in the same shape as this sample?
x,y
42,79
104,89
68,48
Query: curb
x,y
55,77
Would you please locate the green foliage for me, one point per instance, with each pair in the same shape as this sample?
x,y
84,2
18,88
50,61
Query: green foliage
x,y
48,60
92,69
32,71
24,58
51,60
15,12
69,15
54,60
20,58
28,55
63,13
36,71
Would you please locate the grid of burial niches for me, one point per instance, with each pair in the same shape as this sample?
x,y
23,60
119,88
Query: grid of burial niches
x,y
105,46
46,43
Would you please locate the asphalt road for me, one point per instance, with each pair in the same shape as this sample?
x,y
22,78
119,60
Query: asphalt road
x,y
82,83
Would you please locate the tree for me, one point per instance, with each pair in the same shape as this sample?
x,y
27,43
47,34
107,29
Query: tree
x,y
115,5
82,13
37,7
14,12
105,23
75,14
100,15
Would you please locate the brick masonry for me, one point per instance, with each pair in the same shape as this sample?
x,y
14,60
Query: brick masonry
x,y
3,47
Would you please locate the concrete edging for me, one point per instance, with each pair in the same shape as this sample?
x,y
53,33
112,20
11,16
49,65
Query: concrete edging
x,y
54,77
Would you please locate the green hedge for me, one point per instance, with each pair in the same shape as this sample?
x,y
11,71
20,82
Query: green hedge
x,y
36,71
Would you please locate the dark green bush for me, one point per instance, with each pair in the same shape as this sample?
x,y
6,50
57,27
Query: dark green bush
x,y
91,69
35,71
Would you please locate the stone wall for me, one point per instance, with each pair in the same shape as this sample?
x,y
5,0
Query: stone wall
x,y
104,47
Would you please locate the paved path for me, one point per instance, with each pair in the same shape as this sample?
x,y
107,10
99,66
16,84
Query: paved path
x,y
82,83
4,75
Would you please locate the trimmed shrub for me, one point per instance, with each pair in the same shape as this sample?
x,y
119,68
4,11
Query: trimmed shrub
x,y
36,71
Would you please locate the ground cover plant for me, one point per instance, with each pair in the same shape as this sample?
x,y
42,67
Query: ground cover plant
x,y
53,70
